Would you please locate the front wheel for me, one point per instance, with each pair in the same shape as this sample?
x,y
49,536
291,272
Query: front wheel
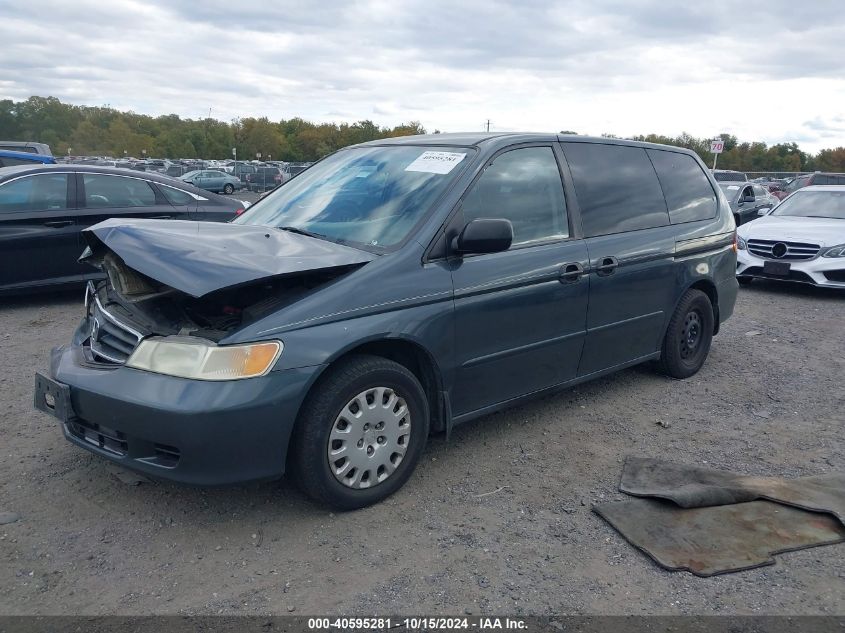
x,y
228,189
688,337
361,433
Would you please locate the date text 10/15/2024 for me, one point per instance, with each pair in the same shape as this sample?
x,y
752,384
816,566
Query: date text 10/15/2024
x,y
417,624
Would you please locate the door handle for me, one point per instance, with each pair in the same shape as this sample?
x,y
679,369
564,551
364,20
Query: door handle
x,y
570,273
607,266
160,217
58,223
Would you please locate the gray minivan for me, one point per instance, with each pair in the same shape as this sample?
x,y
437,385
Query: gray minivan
x,y
394,289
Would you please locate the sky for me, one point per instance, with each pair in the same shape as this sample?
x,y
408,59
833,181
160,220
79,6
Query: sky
x,y
766,71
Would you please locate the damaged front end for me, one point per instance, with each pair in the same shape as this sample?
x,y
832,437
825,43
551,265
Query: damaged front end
x,y
130,306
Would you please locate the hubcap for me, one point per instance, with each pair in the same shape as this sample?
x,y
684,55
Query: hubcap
x,y
369,438
691,334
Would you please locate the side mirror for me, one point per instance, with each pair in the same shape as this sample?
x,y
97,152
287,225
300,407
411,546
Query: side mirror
x,y
484,235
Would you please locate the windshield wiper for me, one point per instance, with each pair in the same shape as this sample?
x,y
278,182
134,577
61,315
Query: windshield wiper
x,y
295,229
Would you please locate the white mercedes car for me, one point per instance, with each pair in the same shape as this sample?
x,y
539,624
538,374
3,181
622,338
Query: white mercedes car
x,y
802,239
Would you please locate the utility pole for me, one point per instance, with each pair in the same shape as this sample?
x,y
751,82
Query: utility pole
x,y
488,125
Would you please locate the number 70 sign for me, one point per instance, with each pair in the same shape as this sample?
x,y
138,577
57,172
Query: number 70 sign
x,y
717,146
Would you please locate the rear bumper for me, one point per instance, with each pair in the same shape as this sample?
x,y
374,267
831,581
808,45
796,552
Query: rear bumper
x,y
828,272
727,291
190,431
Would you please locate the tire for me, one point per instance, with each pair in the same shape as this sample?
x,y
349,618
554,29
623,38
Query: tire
x,y
228,189
688,337
378,472
744,280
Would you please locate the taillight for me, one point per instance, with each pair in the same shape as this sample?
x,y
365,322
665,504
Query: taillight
x,y
239,211
735,245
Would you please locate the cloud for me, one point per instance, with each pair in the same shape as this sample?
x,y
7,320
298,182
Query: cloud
x,y
763,70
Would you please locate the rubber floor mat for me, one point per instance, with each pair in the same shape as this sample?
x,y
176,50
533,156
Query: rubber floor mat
x,y
693,487
718,539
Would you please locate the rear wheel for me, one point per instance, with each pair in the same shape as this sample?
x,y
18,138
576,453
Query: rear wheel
x,y
688,337
361,433
228,189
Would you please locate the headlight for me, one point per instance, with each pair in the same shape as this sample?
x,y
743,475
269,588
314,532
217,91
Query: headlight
x,y
740,243
835,251
188,357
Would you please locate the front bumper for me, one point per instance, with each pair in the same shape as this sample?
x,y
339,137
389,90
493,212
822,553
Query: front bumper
x,y
190,431
828,272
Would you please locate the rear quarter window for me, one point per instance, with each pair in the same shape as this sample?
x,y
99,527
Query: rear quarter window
x,y
689,196
617,188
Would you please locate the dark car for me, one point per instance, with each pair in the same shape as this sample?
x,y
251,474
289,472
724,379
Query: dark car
x,y
817,178
243,171
44,208
265,179
394,289
11,159
747,200
294,169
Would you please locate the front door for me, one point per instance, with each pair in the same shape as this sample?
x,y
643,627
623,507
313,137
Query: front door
x,y
38,230
519,314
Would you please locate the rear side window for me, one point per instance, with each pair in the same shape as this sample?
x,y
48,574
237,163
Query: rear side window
x,y
689,195
34,193
617,188
523,186
117,191
175,196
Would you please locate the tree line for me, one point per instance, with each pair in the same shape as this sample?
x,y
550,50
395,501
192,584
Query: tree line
x,y
98,131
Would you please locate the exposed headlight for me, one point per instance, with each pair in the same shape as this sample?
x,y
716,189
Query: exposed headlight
x,y
740,243
835,251
188,357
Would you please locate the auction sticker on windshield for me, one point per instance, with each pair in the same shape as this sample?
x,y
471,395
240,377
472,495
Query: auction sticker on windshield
x,y
436,162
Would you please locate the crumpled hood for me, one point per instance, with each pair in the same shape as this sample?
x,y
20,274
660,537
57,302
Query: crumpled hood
x,y
202,257
822,231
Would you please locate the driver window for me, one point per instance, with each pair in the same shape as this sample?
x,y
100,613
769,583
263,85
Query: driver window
x,y
117,191
523,186
42,192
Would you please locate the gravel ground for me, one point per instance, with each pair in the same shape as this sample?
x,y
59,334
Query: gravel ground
x,y
496,520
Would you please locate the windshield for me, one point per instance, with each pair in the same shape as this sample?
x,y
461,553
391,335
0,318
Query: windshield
x,y
813,204
369,196
190,174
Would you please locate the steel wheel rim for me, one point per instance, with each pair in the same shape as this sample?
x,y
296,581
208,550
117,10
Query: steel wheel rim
x,y
369,438
691,334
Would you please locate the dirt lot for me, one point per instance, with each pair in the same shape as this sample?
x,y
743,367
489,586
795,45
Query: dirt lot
x,y
768,401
